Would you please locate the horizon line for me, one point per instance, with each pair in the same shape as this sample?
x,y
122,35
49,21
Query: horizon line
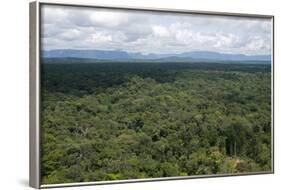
x,y
126,51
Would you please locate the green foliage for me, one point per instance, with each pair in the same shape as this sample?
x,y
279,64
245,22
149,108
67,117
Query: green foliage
x,y
114,121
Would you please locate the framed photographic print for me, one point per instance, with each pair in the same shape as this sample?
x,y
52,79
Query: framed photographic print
x,y
126,94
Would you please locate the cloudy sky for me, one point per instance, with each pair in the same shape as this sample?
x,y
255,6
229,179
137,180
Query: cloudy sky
x,y
65,27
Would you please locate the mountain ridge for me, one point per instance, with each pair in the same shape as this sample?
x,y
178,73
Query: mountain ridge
x,y
123,55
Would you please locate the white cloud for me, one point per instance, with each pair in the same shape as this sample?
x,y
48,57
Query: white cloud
x,y
70,34
108,19
257,43
54,15
152,32
160,31
99,37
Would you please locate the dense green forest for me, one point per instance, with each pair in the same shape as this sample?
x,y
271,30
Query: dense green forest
x,y
115,120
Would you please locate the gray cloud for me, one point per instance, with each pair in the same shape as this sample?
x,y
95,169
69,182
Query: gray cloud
x,y
152,32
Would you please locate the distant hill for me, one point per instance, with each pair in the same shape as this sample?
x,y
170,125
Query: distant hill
x,y
114,55
90,54
224,56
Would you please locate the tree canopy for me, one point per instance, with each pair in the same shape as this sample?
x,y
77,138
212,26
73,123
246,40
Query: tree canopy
x,y
113,121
